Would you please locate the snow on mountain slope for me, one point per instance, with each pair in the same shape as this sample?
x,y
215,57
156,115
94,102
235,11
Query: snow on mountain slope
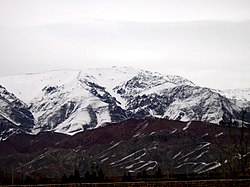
x,y
27,86
184,103
111,77
146,82
70,101
238,94
69,108
241,97
15,116
201,104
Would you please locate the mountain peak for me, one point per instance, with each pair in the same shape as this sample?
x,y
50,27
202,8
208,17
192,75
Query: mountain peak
x,y
71,101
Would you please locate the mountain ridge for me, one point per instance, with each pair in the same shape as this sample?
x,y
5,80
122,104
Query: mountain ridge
x,y
132,145
71,101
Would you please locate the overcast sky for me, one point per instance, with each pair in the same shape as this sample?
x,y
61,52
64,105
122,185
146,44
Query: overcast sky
x,y
206,41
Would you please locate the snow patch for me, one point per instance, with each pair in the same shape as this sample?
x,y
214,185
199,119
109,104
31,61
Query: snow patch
x,y
217,135
175,156
187,126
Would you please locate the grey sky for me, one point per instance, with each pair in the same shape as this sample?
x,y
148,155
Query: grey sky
x,y
206,41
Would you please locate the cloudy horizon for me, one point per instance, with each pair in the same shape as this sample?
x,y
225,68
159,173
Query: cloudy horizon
x,y
205,41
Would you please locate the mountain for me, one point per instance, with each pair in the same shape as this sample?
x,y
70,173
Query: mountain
x,y
15,116
240,97
71,101
134,145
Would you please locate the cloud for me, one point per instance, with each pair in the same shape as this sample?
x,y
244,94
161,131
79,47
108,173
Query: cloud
x,y
174,37
44,11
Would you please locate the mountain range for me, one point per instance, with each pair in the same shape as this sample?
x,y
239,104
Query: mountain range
x,y
72,101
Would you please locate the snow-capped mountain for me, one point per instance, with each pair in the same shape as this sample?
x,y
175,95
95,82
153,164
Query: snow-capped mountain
x,y
15,116
70,101
238,94
240,97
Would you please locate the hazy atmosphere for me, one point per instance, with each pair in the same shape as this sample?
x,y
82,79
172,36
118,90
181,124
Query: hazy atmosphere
x,y
206,41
